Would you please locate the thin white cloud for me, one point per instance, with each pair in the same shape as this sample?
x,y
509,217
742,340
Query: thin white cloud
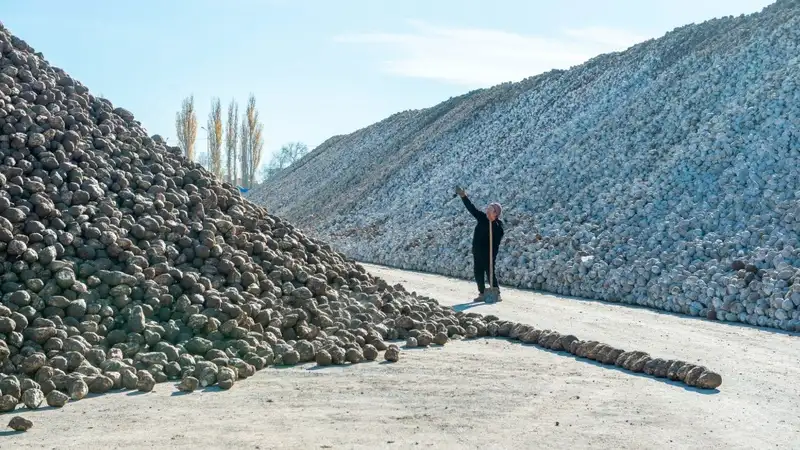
x,y
477,57
610,37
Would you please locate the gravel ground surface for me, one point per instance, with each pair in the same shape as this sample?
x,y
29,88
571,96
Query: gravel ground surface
x,y
487,393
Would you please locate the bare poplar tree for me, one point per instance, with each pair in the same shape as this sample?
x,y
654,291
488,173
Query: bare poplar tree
x,y
231,142
186,127
252,142
215,137
257,148
245,149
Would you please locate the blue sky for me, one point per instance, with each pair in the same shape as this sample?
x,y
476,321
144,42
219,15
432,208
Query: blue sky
x,y
321,68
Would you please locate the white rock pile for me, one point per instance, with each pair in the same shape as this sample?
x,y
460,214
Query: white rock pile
x,y
663,176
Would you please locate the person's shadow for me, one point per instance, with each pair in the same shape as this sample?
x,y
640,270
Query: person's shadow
x,y
465,306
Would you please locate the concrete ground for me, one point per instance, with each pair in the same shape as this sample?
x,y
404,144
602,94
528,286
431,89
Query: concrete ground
x,y
486,393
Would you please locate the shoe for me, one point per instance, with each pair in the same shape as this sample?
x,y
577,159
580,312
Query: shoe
x,y
479,298
499,298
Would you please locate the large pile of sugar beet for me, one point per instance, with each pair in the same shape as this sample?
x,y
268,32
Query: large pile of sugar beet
x,y
124,265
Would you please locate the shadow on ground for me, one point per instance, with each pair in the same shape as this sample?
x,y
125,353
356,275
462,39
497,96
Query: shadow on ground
x,y
10,433
465,306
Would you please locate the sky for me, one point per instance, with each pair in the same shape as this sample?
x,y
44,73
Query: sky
x,y
320,68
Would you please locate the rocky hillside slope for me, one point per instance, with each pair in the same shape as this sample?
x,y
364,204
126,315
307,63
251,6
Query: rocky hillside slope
x,y
664,176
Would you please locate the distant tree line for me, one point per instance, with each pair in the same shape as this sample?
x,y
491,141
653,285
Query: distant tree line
x,y
285,157
234,146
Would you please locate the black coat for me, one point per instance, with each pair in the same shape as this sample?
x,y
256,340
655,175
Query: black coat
x,y
480,239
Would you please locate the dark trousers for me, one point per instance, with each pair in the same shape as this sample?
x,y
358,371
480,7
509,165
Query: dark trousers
x,y
481,265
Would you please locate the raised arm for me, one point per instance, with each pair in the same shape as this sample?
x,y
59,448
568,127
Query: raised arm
x,y
472,209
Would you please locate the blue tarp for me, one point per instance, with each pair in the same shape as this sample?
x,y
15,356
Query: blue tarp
x,y
242,189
